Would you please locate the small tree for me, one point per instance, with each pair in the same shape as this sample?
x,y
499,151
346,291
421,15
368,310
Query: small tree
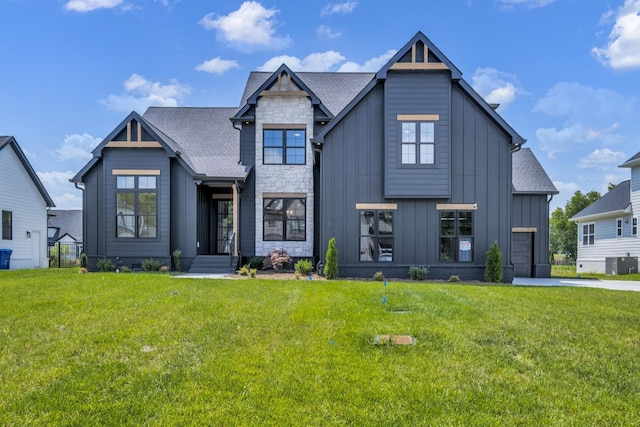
x,y
493,267
177,259
331,260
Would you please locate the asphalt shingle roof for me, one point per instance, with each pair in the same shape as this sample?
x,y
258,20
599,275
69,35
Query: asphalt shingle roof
x,y
617,199
68,221
335,90
205,137
528,176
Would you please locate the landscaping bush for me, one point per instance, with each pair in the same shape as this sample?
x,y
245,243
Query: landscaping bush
x,y
277,259
331,260
151,264
83,260
418,272
177,259
454,279
378,276
493,267
255,262
304,267
244,270
105,265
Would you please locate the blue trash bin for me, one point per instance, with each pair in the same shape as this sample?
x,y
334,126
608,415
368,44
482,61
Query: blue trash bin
x,y
5,257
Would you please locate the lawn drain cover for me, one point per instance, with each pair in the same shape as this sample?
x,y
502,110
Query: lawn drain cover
x,y
394,339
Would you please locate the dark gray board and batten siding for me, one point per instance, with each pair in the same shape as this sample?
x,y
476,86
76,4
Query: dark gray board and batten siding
x,y
353,170
417,93
133,158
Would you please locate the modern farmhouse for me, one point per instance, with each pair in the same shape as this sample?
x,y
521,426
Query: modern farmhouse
x,y
404,166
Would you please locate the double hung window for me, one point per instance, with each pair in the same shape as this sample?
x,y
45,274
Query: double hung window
x,y
136,207
284,219
284,147
588,234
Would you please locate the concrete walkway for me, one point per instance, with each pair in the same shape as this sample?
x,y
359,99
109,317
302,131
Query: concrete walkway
x,y
614,285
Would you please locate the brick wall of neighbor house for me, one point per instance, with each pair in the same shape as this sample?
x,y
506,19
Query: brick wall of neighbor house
x,y
296,110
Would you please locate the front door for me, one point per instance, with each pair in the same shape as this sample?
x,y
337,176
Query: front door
x,y
224,226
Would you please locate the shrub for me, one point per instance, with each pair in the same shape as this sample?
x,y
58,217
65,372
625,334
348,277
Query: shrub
x,y
277,259
151,264
378,276
164,269
418,272
253,272
255,262
244,270
454,279
82,270
331,260
303,267
105,265
83,260
493,267
125,269
177,259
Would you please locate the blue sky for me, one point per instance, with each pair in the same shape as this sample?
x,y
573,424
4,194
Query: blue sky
x,y
566,72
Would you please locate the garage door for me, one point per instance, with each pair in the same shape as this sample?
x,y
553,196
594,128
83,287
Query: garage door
x,y
522,254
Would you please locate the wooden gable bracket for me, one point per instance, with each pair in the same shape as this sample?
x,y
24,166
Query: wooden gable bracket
x,y
414,65
284,87
133,128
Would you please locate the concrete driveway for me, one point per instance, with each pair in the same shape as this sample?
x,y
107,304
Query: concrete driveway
x,y
614,285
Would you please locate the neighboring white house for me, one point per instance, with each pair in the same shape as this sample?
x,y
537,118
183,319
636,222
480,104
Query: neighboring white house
x,y
608,228
23,205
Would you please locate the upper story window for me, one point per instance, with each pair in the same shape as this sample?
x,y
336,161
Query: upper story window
x,y
284,219
284,147
136,207
619,227
634,226
588,234
376,235
7,225
418,143
456,236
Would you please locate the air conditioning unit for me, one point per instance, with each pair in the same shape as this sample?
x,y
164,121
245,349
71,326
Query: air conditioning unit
x,y
621,265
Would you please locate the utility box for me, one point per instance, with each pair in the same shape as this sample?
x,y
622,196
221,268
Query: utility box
x,y
621,265
5,258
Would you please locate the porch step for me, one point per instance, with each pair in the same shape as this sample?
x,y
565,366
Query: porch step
x,y
212,264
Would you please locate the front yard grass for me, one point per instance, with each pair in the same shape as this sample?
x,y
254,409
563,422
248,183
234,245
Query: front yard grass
x,y
569,272
132,349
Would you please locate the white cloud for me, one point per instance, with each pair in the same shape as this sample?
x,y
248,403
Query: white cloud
x,y
77,147
251,26
495,86
601,159
217,66
590,115
555,141
339,8
328,32
528,3
143,93
89,5
63,193
373,64
324,61
623,49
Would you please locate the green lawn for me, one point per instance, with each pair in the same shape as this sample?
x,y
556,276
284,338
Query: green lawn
x,y
131,349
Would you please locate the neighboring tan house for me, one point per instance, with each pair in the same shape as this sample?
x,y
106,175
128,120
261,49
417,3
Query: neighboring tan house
x,y
608,228
23,205
405,166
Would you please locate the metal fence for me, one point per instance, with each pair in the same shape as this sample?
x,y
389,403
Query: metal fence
x,y
65,254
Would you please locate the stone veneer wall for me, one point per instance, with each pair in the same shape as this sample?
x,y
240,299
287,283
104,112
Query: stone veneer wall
x,y
295,110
